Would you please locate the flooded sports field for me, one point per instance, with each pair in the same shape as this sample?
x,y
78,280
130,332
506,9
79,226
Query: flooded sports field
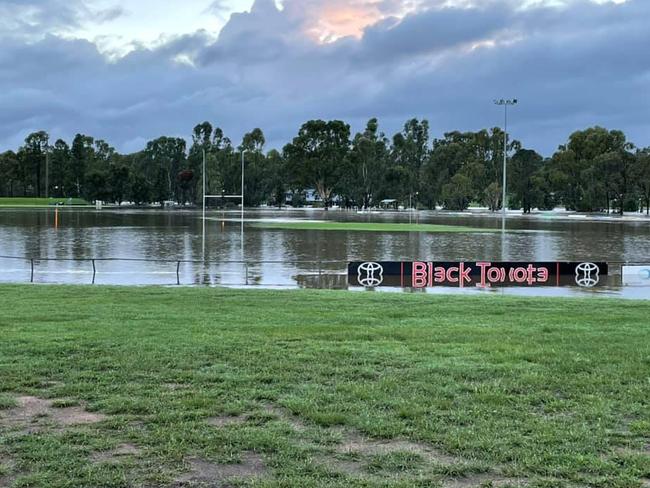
x,y
170,247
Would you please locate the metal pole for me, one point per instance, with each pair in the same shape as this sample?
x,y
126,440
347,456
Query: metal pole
x,y
504,203
203,178
47,173
242,206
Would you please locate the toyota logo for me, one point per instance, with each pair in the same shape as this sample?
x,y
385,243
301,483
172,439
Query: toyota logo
x,y
587,275
370,274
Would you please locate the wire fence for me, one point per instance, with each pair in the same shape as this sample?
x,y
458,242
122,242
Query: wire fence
x,y
318,273
245,272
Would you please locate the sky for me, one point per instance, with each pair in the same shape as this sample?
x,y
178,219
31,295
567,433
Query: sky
x,y
128,71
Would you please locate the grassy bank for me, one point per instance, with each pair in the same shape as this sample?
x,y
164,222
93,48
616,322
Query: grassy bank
x,y
120,387
368,227
40,202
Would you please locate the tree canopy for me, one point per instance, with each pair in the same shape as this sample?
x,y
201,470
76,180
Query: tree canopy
x,y
595,170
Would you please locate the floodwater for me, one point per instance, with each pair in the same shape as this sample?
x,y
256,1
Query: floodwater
x,y
139,247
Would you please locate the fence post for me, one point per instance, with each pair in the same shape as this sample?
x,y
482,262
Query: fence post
x,y
31,280
320,274
94,271
178,267
246,271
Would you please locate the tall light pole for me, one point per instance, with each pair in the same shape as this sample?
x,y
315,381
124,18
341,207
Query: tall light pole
x,y
47,171
505,104
203,175
243,153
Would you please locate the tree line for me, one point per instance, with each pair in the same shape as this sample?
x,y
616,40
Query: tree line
x,y
596,170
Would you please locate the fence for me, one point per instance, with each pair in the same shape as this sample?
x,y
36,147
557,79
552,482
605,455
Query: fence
x,y
312,273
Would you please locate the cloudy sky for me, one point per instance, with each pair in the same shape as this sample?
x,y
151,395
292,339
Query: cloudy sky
x,y
131,70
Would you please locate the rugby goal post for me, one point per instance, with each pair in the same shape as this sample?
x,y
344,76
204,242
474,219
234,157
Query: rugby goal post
x,y
241,196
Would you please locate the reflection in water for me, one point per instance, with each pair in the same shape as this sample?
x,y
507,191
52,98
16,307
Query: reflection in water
x,y
276,257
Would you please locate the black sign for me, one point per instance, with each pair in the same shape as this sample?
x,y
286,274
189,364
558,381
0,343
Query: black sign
x,y
482,274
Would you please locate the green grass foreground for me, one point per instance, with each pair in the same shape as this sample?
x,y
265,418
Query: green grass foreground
x,y
368,227
40,202
324,389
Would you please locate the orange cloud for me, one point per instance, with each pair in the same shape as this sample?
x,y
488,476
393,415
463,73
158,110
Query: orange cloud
x,y
329,20
335,22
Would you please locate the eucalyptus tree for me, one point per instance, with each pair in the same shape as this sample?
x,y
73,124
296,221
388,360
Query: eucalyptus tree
x,y
317,156
575,178
164,157
10,173
525,165
366,170
82,155
34,155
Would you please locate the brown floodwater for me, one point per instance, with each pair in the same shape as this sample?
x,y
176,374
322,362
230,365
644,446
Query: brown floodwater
x,y
139,247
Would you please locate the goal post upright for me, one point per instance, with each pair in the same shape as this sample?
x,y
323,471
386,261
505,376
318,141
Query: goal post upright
x,y
241,196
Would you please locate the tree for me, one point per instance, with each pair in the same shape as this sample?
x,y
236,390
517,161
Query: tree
x,y
277,178
35,149
367,168
60,168
255,170
641,175
317,155
524,166
184,180
616,169
96,186
139,190
9,173
82,157
118,181
163,158
492,196
456,194
574,162
410,150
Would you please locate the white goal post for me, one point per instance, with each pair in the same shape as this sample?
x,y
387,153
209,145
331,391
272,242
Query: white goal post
x,y
241,196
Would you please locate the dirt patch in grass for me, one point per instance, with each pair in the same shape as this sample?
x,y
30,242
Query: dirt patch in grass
x,y
226,420
485,481
348,467
360,457
295,423
33,413
7,467
114,455
355,443
218,475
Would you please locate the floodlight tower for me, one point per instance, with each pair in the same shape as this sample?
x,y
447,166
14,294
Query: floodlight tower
x,y
505,103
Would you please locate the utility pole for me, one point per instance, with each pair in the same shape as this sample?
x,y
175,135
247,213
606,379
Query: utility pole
x,y
505,104
47,172
243,153
203,178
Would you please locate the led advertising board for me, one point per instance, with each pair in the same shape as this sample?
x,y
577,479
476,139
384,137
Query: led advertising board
x,y
482,274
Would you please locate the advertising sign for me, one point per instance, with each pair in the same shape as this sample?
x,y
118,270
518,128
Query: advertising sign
x,y
482,274
636,275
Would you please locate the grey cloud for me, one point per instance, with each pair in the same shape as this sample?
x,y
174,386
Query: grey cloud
x,y
572,67
29,18
109,14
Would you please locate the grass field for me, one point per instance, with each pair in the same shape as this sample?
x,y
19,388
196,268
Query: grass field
x,y
40,202
147,387
369,227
